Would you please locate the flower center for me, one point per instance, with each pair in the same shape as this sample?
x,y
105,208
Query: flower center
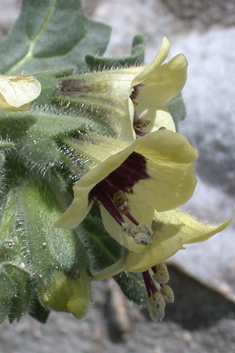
x,y
112,193
139,125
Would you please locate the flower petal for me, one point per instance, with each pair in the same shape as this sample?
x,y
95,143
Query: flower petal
x,y
157,85
106,95
150,69
169,164
170,157
115,230
173,229
17,91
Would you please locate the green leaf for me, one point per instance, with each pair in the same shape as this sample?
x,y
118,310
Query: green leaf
x,y
51,34
96,63
104,249
14,125
132,285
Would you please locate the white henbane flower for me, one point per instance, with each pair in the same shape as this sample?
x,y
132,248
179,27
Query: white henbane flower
x,y
155,172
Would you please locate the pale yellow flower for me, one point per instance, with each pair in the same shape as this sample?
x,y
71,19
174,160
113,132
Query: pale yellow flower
x,y
171,230
16,92
131,100
153,173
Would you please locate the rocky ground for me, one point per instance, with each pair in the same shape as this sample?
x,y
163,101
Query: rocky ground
x,y
203,277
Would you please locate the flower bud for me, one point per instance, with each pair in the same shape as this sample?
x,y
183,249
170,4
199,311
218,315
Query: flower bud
x,y
67,293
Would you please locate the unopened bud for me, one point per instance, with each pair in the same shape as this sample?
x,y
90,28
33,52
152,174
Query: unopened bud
x,y
68,294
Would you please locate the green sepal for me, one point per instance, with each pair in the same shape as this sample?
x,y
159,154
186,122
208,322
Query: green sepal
x,y
37,155
96,63
13,257
15,125
50,84
5,145
37,310
2,171
56,126
21,300
104,249
132,285
57,257
49,34
7,291
13,231
177,109
50,87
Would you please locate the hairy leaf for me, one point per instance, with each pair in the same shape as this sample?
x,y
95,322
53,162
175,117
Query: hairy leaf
x,y
49,35
137,57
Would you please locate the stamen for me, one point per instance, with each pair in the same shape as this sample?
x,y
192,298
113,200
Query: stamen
x,y
158,294
161,274
131,218
112,190
139,125
141,234
167,293
121,201
156,306
149,284
105,199
156,303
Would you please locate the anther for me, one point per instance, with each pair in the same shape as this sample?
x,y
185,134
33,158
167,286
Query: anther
x,y
142,234
161,274
168,294
141,124
121,201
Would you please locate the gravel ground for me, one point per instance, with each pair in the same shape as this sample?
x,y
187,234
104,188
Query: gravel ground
x,y
203,278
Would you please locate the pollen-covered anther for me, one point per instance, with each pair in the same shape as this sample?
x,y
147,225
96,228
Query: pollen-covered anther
x,y
156,305
142,234
161,274
141,124
168,294
121,201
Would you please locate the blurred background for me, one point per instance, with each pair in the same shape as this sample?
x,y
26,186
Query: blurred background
x,y
202,318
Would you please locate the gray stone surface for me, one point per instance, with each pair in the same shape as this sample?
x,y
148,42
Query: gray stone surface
x,y
202,318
